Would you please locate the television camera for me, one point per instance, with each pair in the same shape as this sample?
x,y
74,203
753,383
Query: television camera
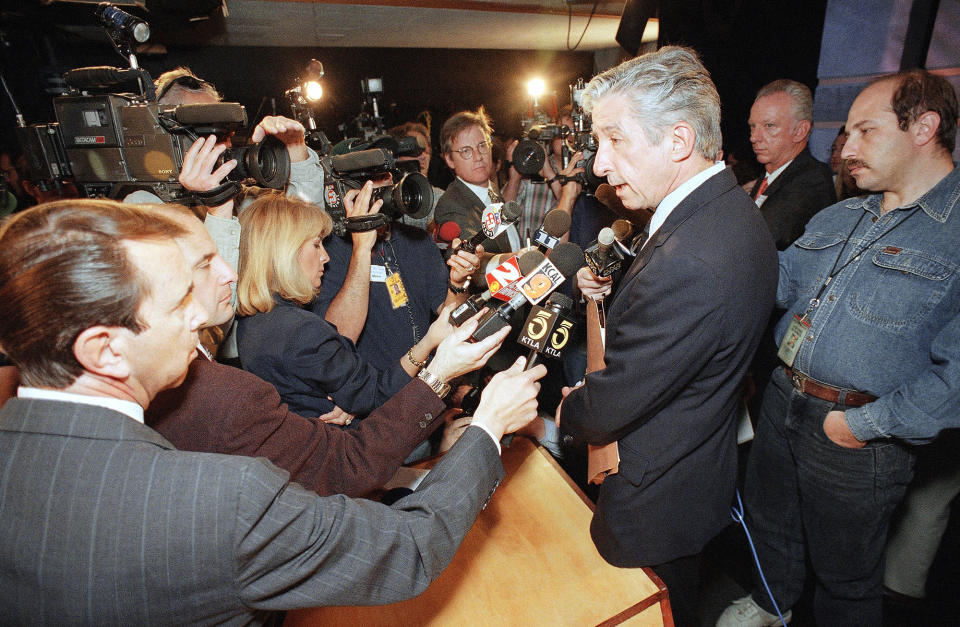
x,y
409,193
112,144
531,151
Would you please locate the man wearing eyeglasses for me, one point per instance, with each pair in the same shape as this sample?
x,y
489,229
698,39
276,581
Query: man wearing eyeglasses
x,y
465,141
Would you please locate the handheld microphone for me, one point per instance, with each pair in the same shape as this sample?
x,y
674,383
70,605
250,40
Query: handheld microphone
x,y
555,225
491,223
527,262
602,256
504,268
119,20
447,232
547,329
563,263
605,240
622,230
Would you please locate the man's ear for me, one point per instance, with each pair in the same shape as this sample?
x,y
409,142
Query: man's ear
x,y
448,157
925,127
99,350
683,141
801,131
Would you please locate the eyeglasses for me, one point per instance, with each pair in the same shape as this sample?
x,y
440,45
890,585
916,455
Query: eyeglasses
x,y
466,153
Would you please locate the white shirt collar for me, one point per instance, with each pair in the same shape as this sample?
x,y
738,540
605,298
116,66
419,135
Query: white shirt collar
x,y
481,192
128,408
771,177
674,198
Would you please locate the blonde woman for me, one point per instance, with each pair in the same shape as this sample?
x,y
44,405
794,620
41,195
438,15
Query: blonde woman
x,y
314,368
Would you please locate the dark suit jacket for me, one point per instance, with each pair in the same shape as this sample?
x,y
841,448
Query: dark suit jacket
x,y
103,522
681,330
219,409
800,192
307,360
459,204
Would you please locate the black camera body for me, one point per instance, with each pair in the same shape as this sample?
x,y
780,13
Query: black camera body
x,y
531,151
113,144
410,194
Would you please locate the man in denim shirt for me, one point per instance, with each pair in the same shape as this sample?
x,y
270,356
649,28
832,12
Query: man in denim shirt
x,y
870,353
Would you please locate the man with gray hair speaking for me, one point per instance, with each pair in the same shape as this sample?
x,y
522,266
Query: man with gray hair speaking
x,y
682,326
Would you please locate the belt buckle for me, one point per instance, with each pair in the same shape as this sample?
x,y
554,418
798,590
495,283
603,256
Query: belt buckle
x,y
797,380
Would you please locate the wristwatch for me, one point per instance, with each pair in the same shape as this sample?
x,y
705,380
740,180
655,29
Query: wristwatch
x,y
439,387
455,289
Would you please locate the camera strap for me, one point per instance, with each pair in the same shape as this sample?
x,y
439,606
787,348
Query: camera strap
x,y
219,194
369,222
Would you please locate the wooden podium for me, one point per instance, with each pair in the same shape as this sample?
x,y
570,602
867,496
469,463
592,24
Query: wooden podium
x,y
528,560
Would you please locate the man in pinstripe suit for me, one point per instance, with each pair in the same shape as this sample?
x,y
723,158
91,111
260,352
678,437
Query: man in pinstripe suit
x,y
102,521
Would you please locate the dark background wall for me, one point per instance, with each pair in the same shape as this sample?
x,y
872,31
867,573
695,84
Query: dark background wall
x,y
440,81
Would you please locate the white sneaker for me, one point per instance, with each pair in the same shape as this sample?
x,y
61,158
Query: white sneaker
x,y
746,613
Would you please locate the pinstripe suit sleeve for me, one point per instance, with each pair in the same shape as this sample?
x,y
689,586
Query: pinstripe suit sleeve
x,y
295,550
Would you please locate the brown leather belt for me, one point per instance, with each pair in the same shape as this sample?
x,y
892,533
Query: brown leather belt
x,y
812,387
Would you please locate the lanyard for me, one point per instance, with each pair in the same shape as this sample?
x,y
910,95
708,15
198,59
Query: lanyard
x,y
381,249
834,271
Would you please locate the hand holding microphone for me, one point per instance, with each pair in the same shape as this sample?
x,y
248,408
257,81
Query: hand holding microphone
x,y
494,223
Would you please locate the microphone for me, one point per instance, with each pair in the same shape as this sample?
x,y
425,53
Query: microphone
x,y
378,159
563,263
602,256
469,308
555,225
608,196
507,215
504,268
547,329
622,230
99,76
605,240
121,21
447,232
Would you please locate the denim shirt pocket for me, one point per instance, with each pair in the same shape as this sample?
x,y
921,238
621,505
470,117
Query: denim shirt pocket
x,y
899,288
811,282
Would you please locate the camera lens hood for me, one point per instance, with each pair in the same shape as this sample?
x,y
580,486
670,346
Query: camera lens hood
x,y
528,157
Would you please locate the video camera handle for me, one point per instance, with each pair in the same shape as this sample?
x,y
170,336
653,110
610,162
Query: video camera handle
x,y
106,77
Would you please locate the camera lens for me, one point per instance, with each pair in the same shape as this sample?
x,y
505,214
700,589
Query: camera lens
x,y
267,163
528,157
412,196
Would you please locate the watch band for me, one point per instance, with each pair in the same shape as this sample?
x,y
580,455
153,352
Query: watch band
x,y
438,386
413,360
456,290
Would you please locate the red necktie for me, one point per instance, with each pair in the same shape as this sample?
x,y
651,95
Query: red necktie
x,y
761,189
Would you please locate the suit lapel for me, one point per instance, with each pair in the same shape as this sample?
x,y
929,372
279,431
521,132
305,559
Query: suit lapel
x,y
798,163
716,185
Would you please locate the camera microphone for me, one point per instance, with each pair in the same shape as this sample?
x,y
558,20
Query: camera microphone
x,y
508,214
555,225
362,160
121,21
563,263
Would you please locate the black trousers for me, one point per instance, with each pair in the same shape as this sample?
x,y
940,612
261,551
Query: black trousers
x,y
682,578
